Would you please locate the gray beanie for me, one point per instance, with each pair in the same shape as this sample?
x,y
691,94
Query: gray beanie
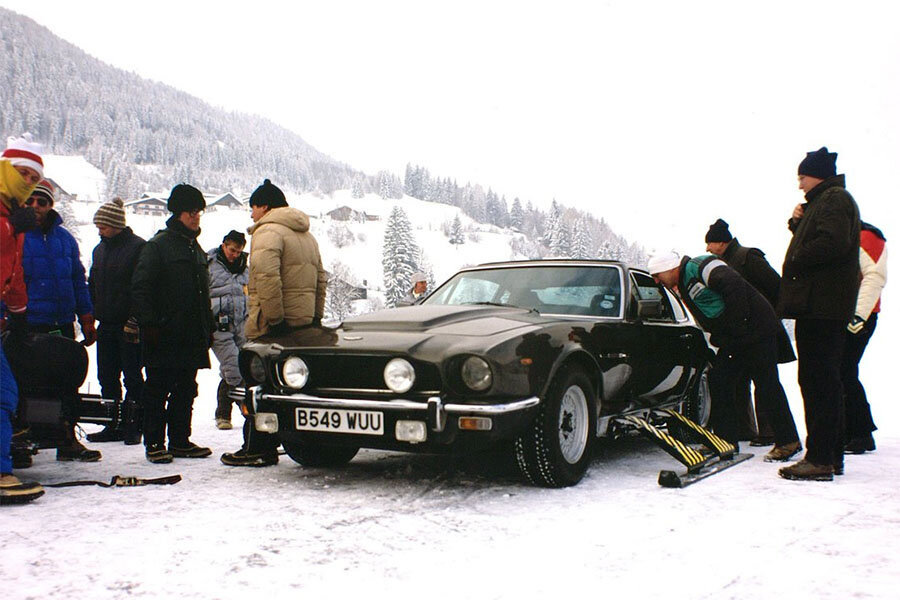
x,y
111,214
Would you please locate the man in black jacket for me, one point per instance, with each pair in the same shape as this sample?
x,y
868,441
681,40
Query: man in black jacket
x,y
170,291
743,325
751,264
118,349
819,285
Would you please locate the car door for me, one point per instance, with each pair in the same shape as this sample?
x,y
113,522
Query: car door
x,y
665,359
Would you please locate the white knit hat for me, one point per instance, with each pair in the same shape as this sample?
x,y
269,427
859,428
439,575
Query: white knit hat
x,y
24,152
663,261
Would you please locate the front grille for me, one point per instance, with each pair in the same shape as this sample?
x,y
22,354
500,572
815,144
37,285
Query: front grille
x,y
363,372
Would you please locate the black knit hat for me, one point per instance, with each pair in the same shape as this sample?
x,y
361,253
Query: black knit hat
x,y
718,232
235,236
269,195
820,164
185,198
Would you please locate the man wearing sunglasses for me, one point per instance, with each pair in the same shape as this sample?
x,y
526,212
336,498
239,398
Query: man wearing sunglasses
x,y
57,291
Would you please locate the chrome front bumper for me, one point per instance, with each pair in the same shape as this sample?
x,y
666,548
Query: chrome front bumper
x,y
434,410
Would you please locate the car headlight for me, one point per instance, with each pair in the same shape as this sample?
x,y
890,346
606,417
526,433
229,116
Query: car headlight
x,y
399,375
257,369
294,372
476,374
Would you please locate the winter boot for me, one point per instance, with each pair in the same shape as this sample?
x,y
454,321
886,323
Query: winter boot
x,y
783,453
133,421
157,454
13,491
860,445
188,450
804,470
110,433
73,450
223,405
242,458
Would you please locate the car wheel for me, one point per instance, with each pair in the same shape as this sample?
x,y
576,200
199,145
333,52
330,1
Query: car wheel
x,y
699,405
319,455
556,450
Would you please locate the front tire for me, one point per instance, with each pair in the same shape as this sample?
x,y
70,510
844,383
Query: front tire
x,y
319,455
556,451
699,405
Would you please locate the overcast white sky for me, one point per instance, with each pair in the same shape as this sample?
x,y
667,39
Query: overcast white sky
x,y
658,115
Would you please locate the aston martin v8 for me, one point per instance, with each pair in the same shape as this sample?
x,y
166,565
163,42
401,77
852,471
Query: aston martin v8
x,y
541,356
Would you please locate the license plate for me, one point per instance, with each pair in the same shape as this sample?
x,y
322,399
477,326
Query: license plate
x,y
339,420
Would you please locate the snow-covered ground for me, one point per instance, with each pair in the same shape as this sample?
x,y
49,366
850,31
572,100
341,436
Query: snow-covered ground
x,y
391,525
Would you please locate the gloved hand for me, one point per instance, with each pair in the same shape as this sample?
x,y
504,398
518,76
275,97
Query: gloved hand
x,y
22,219
856,324
131,332
279,329
87,329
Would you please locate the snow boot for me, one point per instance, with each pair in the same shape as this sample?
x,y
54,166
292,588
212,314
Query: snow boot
x,y
13,491
804,470
860,445
783,453
133,420
242,458
157,454
110,433
223,423
189,450
73,450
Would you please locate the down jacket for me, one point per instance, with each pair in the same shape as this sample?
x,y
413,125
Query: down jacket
x,y
227,287
287,281
54,275
820,275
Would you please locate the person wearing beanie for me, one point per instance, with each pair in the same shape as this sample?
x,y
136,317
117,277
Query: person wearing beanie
x,y
118,351
751,264
228,278
57,293
819,286
17,180
743,326
170,301
419,283
286,293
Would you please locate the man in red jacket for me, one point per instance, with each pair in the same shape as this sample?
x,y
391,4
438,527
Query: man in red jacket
x,y
21,168
858,423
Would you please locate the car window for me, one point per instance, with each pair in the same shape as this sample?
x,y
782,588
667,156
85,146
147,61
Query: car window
x,y
645,288
553,289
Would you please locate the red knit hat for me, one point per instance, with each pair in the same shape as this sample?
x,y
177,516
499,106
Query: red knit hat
x,y
24,152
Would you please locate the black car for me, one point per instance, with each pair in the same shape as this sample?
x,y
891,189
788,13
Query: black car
x,y
547,354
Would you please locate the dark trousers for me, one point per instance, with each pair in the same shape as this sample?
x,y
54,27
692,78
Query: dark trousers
x,y
820,344
115,358
257,442
168,399
857,413
760,362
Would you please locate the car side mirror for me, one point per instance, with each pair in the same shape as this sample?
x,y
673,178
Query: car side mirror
x,y
649,309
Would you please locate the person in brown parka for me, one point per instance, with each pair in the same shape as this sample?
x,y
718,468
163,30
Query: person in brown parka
x,y
286,292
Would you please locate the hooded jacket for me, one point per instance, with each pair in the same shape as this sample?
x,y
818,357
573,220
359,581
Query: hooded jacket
x,y
13,191
820,274
287,281
54,275
227,283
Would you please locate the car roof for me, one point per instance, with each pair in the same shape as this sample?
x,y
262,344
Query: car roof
x,y
546,262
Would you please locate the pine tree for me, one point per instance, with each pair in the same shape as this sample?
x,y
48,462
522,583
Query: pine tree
x,y
399,256
357,189
582,246
456,233
516,215
340,292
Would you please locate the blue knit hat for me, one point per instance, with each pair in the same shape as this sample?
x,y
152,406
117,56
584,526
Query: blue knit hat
x,y
820,164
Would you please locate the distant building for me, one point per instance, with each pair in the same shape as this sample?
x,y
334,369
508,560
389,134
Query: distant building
x,y
226,200
345,213
61,194
148,204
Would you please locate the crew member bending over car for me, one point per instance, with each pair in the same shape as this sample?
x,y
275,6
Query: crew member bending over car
x,y
743,325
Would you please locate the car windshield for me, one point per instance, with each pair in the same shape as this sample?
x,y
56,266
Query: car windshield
x,y
551,289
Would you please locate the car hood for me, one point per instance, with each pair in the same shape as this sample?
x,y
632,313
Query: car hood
x,y
448,320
